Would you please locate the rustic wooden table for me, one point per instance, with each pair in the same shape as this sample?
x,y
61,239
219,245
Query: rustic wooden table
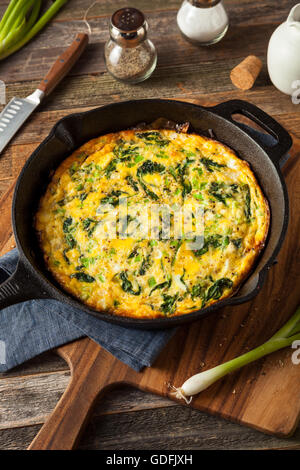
x,y
129,419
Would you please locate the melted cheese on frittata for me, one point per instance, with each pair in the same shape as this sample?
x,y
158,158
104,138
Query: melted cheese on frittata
x,y
145,276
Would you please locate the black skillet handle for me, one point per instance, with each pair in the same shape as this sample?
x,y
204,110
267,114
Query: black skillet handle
x,y
283,138
19,287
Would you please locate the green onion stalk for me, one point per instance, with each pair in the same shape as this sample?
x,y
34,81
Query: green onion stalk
x,y
21,22
289,333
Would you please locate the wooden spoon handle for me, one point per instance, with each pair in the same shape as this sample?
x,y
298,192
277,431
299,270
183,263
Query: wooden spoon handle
x,y
64,63
93,371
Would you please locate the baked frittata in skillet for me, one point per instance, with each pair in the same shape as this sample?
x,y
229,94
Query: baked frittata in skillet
x,y
145,275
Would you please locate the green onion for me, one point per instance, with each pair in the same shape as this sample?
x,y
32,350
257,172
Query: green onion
x,y
151,281
138,158
20,23
289,333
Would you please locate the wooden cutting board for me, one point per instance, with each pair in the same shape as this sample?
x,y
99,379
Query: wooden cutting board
x,y
264,395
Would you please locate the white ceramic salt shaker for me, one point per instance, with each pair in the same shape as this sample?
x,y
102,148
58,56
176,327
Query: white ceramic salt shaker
x,y
203,22
284,53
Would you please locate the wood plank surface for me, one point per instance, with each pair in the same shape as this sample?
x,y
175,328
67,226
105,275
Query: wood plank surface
x,y
199,75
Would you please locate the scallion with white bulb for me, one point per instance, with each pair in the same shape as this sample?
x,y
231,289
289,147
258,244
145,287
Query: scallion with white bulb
x,y
286,336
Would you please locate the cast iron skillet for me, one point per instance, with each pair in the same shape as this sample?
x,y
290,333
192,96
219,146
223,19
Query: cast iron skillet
x,y
31,280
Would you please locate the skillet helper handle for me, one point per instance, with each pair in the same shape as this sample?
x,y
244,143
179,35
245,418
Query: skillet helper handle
x,y
19,287
93,372
64,63
249,110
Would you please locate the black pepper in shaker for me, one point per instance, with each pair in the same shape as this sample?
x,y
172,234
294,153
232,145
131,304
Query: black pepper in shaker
x,y
129,55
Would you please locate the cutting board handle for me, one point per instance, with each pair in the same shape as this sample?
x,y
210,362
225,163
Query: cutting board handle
x,y
93,372
64,63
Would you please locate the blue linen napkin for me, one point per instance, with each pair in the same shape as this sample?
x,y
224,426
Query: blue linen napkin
x,y
35,326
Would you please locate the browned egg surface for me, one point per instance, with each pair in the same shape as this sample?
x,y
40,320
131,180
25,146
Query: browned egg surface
x,y
140,276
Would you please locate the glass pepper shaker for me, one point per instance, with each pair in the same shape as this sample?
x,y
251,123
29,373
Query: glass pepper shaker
x,y
203,22
130,57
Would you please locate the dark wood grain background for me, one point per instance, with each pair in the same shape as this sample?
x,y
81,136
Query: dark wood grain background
x,y
129,419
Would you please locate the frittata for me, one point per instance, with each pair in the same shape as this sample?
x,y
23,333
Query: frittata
x,y
94,238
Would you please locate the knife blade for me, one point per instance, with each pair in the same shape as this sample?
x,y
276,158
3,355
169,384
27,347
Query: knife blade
x,y
17,111
15,114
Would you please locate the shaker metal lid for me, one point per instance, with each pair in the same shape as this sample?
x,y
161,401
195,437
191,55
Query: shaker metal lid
x,y
128,20
204,3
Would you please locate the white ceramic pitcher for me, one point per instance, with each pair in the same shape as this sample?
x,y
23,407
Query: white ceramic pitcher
x,y
284,53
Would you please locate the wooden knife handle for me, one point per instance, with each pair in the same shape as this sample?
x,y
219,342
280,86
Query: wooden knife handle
x,y
64,63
